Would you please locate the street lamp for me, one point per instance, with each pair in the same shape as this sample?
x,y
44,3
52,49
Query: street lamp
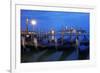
x,y
34,22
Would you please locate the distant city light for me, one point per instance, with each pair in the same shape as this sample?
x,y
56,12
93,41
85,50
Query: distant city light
x,y
52,31
27,20
33,22
66,27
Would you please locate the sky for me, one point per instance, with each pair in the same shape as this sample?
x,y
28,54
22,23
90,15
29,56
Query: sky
x,y
47,20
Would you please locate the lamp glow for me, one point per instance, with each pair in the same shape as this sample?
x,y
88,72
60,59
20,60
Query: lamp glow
x,y
33,22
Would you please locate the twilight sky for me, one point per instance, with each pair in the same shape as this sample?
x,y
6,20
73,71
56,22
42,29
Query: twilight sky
x,y
54,19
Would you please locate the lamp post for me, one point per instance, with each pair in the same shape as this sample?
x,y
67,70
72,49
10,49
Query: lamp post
x,y
34,22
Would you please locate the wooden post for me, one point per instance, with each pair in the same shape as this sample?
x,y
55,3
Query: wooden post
x,y
77,44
